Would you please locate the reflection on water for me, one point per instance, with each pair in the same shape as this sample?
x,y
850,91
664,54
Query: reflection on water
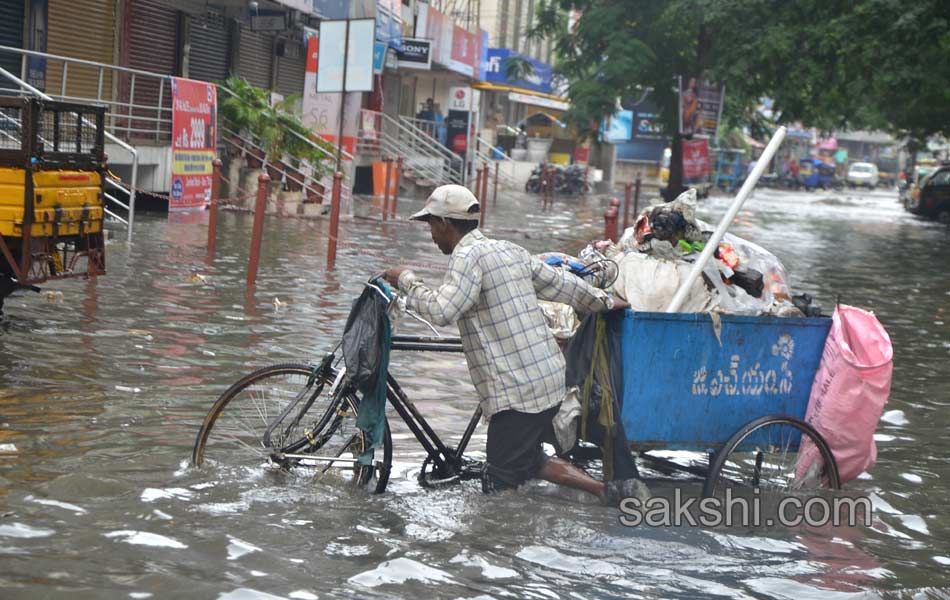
x,y
101,394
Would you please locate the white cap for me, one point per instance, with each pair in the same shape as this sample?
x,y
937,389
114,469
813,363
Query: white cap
x,y
449,202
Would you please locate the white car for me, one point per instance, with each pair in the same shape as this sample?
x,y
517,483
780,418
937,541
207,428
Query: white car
x,y
863,174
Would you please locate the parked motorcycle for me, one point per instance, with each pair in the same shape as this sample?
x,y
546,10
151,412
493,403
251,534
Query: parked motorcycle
x,y
570,180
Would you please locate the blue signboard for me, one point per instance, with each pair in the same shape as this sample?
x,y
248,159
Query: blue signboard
x,y
494,67
618,128
483,58
379,57
388,29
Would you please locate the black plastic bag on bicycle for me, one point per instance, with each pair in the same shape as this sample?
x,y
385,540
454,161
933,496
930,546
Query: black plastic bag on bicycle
x,y
367,338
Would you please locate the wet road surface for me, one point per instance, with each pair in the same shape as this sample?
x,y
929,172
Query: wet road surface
x,y
102,390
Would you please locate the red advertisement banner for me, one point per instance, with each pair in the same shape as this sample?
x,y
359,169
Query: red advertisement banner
x,y
465,52
194,123
695,159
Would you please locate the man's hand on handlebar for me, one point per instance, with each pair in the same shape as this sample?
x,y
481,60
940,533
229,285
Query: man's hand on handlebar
x,y
392,275
619,304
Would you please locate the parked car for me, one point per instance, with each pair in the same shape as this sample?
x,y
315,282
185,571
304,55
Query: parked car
x,y
931,198
862,174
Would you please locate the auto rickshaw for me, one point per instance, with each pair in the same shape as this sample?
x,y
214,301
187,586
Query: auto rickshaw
x,y
808,173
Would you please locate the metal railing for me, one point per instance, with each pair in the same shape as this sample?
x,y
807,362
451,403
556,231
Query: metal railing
x,y
420,134
424,157
134,115
130,207
126,116
488,157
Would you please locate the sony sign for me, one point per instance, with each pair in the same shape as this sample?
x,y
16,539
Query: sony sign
x,y
415,54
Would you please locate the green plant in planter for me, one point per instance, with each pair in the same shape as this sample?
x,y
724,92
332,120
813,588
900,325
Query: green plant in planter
x,y
248,112
240,110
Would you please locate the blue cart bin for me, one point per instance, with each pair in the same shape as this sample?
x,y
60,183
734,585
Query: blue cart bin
x,y
686,389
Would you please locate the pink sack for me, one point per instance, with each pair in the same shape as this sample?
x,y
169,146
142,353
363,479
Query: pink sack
x,y
849,392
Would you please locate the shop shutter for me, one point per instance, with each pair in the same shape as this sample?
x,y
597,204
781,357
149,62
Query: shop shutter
x,y
81,29
256,58
11,34
208,40
152,46
291,67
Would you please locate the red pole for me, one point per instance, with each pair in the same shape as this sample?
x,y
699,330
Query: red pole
x,y
636,198
392,208
610,220
334,220
213,209
545,188
478,185
258,230
627,189
388,163
485,183
494,198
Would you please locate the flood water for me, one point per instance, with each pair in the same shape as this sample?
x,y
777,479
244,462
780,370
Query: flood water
x,y
103,388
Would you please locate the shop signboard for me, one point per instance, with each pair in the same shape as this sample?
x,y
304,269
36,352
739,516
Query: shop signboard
x,y
700,106
619,128
460,98
344,41
275,20
415,54
457,131
696,160
388,28
321,111
465,52
538,101
379,57
194,120
538,81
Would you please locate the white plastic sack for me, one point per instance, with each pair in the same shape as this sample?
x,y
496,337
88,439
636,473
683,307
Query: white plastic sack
x,y
648,284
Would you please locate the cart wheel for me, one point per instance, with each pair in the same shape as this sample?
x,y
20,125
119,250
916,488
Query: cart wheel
x,y
765,454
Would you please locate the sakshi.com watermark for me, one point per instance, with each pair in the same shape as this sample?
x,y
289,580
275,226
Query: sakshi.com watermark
x,y
746,510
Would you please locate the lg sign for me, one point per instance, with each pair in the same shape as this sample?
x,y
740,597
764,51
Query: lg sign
x,y
461,98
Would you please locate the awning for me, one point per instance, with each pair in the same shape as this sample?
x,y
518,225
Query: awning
x,y
525,96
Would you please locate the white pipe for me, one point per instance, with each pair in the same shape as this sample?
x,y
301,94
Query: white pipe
x,y
727,218
135,173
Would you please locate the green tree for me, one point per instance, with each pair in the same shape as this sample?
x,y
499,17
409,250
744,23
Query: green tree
x,y
826,63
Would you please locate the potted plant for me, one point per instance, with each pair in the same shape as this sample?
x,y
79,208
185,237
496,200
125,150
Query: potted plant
x,y
243,115
301,146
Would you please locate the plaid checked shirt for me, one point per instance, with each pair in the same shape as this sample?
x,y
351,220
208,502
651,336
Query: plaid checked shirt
x,y
492,289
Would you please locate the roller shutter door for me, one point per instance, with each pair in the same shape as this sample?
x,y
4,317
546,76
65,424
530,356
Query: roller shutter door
x,y
208,41
81,29
256,57
11,34
291,67
152,46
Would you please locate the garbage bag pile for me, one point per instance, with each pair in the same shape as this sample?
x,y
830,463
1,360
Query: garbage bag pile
x,y
657,253
653,258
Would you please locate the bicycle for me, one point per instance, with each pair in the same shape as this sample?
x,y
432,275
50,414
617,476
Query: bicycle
x,y
297,415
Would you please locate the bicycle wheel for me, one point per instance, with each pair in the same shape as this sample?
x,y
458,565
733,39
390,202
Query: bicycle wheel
x,y
284,416
764,455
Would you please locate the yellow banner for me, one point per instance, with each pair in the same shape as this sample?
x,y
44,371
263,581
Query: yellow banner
x,y
192,162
